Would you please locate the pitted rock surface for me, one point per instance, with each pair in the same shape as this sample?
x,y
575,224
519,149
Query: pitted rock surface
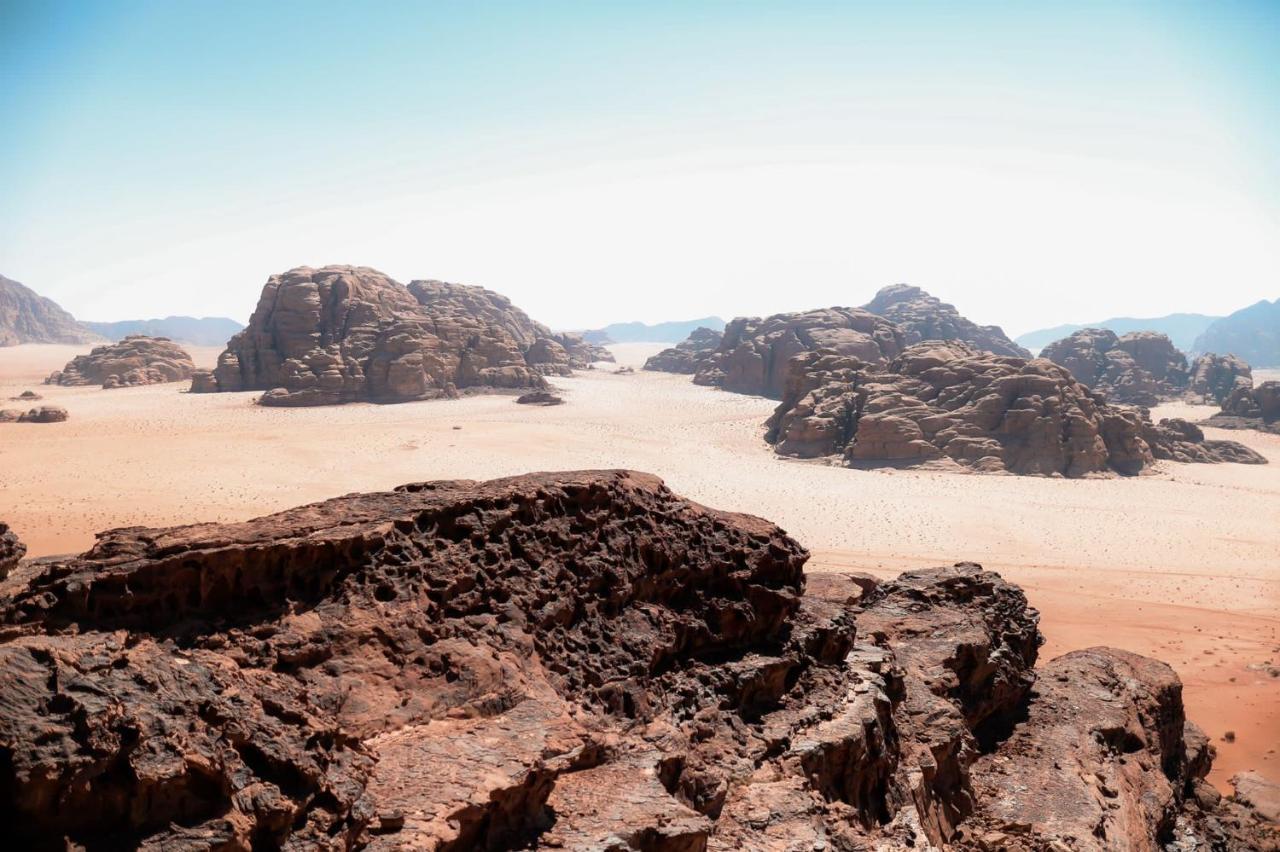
x,y
1140,368
1250,408
950,404
925,317
577,661
687,356
135,360
1215,377
753,354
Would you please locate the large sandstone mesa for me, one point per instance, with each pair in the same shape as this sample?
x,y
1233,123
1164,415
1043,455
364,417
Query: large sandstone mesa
x,y
688,356
753,354
28,317
343,334
11,550
949,403
1215,377
578,661
1140,368
924,317
1250,408
135,360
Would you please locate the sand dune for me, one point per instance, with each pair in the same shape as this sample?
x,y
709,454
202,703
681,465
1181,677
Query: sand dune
x,y
1183,565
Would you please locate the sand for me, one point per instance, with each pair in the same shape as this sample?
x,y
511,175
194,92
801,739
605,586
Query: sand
x,y
1183,565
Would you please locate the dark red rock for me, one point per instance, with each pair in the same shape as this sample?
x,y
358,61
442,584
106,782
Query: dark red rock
x,y
924,317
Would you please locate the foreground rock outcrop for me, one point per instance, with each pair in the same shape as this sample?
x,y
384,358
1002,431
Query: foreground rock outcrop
x,y
1250,408
688,356
11,550
343,333
43,414
924,317
568,661
1139,368
133,361
949,403
1215,377
28,317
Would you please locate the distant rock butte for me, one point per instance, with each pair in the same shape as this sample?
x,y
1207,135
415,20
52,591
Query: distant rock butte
x,y
1216,377
343,334
949,403
573,661
27,317
687,356
1255,407
136,360
1141,368
925,317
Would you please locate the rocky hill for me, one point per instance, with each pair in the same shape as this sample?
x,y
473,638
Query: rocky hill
x,y
688,355
949,403
343,333
136,360
1252,333
568,661
925,317
660,332
1215,377
197,331
1141,368
1250,407
1182,329
27,317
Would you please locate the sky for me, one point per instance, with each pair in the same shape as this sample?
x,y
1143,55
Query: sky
x,y
1033,164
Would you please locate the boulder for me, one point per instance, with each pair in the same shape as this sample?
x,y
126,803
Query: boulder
x,y
133,361
26,396
11,550
687,356
949,403
539,398
43,414
1250,408
1216,377
925,317
1139,368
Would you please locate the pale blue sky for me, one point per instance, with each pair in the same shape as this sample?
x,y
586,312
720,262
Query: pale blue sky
x,y
1033,163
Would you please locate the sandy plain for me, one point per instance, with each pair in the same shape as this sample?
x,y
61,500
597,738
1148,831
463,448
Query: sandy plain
x,y
1182,565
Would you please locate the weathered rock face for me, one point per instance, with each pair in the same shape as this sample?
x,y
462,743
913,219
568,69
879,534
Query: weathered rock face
x,y
1216,377
342,333
27,317
1140,368
950,403
753,354
688,356
570,661
43,414
925,317
11,550
1250,408
135,360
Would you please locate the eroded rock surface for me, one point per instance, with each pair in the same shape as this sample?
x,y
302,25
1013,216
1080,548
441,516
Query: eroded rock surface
x,y
1215,377
949,403
924,317
11,550
753,354
688,356
578,661
42,414
1140,368
343,333
135,360
1250,408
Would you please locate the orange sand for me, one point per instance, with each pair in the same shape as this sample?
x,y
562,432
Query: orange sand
x,y
1183,565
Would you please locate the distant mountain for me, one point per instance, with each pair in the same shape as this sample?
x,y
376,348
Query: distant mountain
x,y
1251,333
198,331
1182,329
28,317
662,332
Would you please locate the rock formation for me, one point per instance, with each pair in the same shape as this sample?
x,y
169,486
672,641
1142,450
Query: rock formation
x,y
1252,333
26,396
1250,408
925,317
539,398
43,414
1216,377
688,356
134,361
342,334
11,550
567,661
949,403
27,317
753,354
1140,368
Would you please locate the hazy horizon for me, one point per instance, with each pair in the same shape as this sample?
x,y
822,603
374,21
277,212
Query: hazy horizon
x,y
661,162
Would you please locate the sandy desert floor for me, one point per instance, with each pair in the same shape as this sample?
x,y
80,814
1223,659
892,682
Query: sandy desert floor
x,y
1183,565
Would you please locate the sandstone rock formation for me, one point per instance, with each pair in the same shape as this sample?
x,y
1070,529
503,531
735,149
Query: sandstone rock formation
x,y
1216,377
43,414
26,396
1250,408
925,317
27,317
342,334
568,661
948,402
11,550
753,354
133,361
688,356
1140,368
539,398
